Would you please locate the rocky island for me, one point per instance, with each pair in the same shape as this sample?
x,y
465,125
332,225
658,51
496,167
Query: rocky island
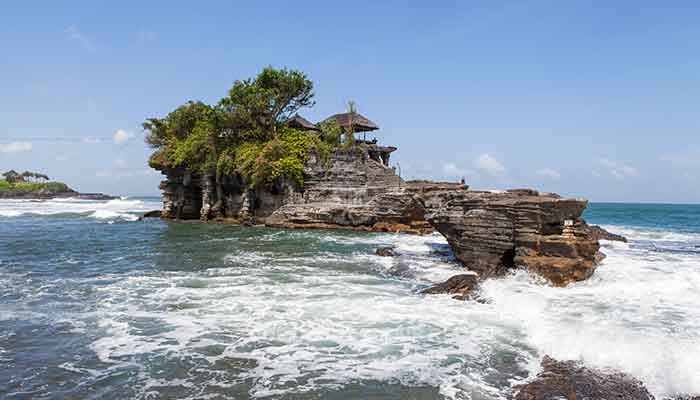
x,y
253,161
34,185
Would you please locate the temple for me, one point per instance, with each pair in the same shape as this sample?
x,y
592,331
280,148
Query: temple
x,y
350,122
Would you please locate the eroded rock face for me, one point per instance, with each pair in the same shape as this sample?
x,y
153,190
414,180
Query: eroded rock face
x,y
572,381
492,232
351,191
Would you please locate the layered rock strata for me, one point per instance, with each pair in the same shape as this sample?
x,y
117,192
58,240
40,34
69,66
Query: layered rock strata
x,y
492,232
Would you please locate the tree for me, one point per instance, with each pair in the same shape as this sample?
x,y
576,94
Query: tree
x,y
258,106
12,176
28,175
350,134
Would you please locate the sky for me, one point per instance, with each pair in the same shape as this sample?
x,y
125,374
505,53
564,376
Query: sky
x,y
588,99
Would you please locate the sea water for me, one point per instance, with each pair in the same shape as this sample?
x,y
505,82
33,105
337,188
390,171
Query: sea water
x,y
96,303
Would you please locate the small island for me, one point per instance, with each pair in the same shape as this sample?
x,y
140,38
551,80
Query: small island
x,y
36,185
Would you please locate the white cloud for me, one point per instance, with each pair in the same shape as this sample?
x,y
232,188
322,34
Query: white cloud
x,y
74,34
121,136
91,140
618,170
489,164
549,173
452,170
15,147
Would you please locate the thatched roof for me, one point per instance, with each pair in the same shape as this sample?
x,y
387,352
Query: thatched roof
x,y
360,123
299,122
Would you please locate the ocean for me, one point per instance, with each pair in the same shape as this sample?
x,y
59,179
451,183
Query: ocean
x,y
96,303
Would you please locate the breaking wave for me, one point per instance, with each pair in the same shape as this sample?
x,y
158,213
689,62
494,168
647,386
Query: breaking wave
x,y
206,311
118,209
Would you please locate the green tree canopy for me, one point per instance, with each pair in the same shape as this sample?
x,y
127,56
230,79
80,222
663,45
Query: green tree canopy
x,y
244,133
256,107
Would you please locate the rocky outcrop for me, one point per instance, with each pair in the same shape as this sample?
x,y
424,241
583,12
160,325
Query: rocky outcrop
x,y
489,232
572,381
153,214
492,232
462,286
386,252
598,233
352,190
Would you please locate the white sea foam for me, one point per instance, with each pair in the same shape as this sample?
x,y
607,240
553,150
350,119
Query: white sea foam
x,y
310,327
117,209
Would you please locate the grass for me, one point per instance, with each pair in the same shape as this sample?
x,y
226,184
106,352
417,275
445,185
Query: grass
x,y
32,187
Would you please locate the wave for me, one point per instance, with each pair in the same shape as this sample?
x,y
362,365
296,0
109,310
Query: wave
x,y
653,234
118,209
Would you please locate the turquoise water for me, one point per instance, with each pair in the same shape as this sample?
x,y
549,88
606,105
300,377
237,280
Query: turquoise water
x,y
95,303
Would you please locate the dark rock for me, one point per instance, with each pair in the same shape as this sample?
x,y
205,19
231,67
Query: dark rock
x,y
152,214
571,381
598,233
401,270
492,232
462,286
385,252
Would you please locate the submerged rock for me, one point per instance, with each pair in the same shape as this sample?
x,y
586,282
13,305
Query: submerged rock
x,y
570,380
385,252
462,285
152,214
401,270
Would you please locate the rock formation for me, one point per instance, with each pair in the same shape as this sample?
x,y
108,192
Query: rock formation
x,y
386,252
571,381
462,286
491,232
599,233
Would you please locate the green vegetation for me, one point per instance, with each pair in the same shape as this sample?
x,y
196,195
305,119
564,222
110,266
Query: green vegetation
x,y
245,133
32,187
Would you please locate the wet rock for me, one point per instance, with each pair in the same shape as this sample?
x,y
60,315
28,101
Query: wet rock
x,y
570,380
401,270
385,252
152,214
598,233
492,232
462,286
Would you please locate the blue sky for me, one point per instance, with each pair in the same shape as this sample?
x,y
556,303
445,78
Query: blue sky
x,y
591,99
